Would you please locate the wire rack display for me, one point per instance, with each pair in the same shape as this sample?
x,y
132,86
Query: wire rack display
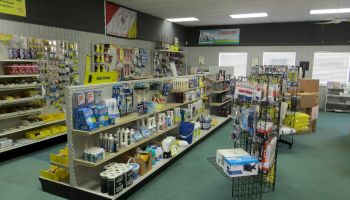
x,y
258,132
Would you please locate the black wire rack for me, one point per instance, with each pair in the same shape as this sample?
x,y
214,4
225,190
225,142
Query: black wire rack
x,y
252,187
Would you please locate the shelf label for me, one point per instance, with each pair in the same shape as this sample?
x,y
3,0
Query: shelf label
x,y
102,77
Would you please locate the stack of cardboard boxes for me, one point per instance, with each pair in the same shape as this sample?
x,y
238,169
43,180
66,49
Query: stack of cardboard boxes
x,y
308,99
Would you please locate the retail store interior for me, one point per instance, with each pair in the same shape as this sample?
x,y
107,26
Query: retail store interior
x,y
201,99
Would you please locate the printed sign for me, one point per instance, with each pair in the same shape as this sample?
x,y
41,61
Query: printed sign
x,y
13,7
219,36
120,21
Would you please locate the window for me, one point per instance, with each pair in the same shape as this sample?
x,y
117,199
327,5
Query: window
x,y
237,60
279,58
331,66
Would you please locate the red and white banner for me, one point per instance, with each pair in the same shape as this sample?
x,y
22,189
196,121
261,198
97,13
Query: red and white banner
x,y
120,21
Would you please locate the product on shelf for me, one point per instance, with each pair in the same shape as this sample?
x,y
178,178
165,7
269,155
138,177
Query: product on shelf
x,y
55,173
93,154
45,132
116,177
61,158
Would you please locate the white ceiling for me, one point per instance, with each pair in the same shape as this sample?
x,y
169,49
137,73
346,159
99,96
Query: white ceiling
x,y
216,12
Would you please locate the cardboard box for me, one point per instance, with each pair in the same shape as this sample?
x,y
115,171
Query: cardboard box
x,y
221,154
308,85
242,165
307,100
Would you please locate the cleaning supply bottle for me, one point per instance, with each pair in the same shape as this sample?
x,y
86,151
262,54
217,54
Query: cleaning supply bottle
x,y
159,124
132,132
116,143
121,137
100,141
110,143
105,142
126,137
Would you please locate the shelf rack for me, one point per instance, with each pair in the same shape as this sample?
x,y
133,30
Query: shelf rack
x,y
18,101
20,113
20,76
19,61
3,150
337,102
77,139
92,188
19,86
217,104
40,124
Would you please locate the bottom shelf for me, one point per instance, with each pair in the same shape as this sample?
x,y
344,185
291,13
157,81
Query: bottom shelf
x,y
93,187
337,110
2,150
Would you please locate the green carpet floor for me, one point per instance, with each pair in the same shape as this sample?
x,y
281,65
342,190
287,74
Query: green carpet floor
x,y
317,168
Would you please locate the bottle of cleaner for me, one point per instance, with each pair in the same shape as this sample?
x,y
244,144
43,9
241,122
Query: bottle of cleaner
x,y
132,132
116,143
100,141
127,137
121,137
105,142
110,143
159,124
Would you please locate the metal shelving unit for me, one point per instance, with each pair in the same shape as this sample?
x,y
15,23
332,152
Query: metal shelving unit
x,y
20,113
337,100
84,174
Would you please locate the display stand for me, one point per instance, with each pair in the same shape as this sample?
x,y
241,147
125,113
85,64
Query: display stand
x,y
84,181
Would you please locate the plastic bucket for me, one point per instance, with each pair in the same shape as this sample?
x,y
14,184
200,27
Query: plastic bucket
x,y
186,131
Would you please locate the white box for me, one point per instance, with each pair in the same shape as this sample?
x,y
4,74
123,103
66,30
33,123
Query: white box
x,y
241,166
222,153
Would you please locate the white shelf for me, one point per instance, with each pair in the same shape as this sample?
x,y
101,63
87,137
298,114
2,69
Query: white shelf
x,y
21,100
217,104
340,96
93,186
19,86
31,142
18,61
59,165
19,113
339,103
186,90
168,51
19,76
30,127
218,91
338,110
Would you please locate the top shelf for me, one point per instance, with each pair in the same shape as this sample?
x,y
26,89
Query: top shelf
x,y
168,51
18,60
186,90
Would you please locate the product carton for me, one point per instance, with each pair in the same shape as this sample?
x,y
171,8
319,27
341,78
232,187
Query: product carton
x,y
241,166
221,154
308,85
307,99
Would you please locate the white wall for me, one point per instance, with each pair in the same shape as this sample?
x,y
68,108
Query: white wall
x,y
85,40
303,53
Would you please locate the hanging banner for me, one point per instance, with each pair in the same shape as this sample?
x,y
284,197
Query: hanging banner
x,y
13,7
120,21
218,36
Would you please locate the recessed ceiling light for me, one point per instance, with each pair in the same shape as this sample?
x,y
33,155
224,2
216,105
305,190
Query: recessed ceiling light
x,y
330,11
185,19
250,15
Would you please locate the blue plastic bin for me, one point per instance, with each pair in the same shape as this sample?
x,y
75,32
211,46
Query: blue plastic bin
x,y
186,131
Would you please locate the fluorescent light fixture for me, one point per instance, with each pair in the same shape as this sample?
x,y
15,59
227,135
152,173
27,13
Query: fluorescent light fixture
x,y
250,15
330,11
185,19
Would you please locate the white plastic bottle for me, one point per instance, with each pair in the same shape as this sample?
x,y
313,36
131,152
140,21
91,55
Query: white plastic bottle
x,y
121,137
130,141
